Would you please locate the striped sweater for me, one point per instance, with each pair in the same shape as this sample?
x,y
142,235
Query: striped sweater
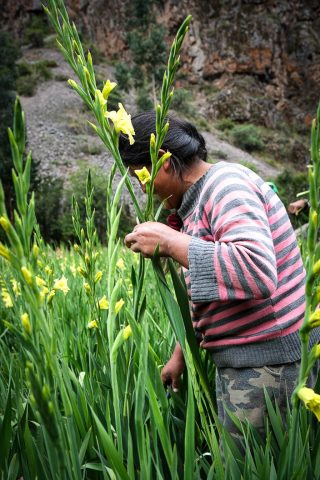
x,y
246,278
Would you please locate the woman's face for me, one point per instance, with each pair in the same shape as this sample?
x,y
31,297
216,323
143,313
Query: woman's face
x,y
167,185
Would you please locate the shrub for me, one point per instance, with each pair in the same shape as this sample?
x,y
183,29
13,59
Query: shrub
x,y
247,137
225,124
182,102
30,74
289,184
36,30
123,76
143,100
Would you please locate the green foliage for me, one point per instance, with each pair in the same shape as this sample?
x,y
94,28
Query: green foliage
x,y
54,205
123,76
9,54
31,74
36,30
247,137
182,102
289,184
145,39
143,100
225,124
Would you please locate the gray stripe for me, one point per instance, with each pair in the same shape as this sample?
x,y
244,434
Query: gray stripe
x,y
265,292
284,236
289,263
235,203
225,274
240,275
235,316
282,220
292,275
275,209
287,249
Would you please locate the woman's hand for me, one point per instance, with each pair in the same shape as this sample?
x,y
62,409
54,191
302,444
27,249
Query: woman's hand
x,y
146,237
173,369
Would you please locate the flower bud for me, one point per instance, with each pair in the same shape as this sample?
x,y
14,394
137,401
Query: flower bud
x,y
26,323
35,250
316,268
27,275
76,248
98,277
5,224
127,332
314,320
72,83
82,272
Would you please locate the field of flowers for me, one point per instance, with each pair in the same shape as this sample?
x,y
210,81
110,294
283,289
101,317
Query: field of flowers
x,y
85,330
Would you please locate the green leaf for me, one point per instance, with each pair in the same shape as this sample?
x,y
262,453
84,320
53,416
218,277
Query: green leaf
x,y
109,449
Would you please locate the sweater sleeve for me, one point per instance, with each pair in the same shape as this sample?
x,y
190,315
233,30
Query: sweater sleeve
x,y
240,263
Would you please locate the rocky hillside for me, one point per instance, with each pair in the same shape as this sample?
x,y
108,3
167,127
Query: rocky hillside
x,y
261,58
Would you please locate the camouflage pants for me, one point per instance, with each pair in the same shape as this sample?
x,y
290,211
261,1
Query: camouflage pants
x,y
241,391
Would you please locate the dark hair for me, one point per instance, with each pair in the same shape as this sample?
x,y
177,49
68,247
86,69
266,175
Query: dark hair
x,y
183,141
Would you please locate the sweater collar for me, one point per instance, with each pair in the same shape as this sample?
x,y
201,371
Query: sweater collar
x,y
190,197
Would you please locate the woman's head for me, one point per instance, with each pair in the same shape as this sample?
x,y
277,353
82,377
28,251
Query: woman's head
x,y
183,141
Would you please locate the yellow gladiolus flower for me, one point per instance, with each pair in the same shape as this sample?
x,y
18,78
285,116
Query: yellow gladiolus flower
x,y
61,284
127,332
92,324
5,224
120,263
26,323
143,175
122,122
311,400
6,298
4,252
27,275
119,305
314,320
87,287
103,303
107,89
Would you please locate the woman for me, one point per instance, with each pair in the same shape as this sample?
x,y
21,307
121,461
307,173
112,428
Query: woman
x,y
242,264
